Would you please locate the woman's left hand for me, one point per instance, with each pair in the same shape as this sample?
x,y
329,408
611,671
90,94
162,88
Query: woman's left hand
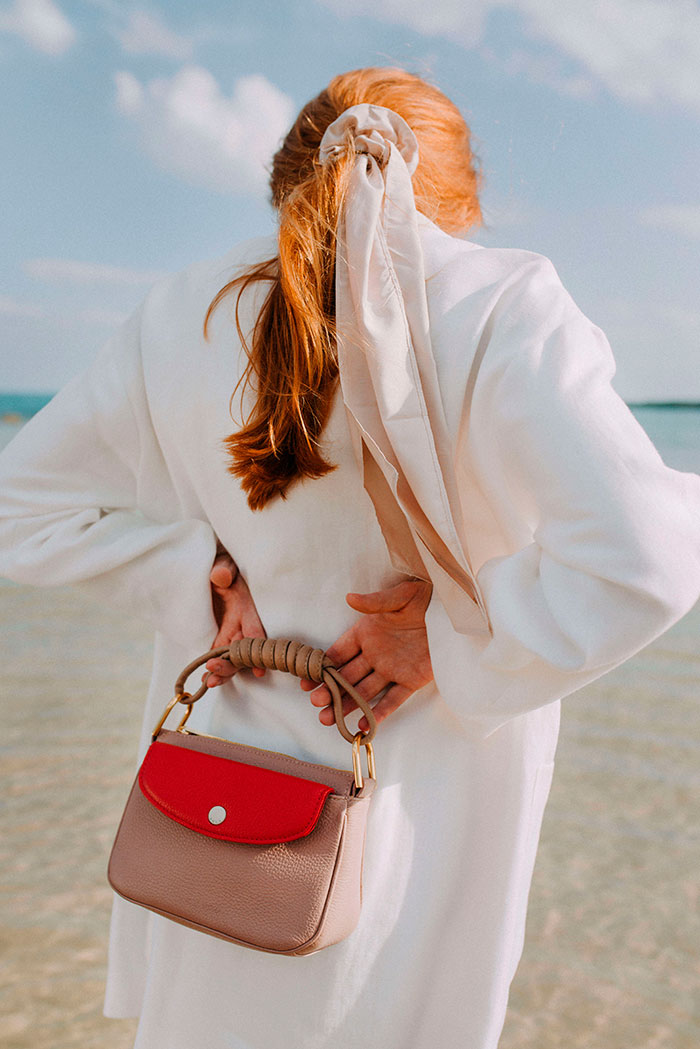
x,y
235,613
386,649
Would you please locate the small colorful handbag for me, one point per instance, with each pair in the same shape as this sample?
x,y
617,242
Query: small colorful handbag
x,y
249,845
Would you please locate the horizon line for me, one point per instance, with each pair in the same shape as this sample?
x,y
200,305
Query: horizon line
x,y
47,396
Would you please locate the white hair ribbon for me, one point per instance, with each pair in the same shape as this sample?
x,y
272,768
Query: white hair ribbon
x,y
373,131
387,370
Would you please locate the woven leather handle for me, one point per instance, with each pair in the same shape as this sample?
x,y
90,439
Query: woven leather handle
x,y
293,657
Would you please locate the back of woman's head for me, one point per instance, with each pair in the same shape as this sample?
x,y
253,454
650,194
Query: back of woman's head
x,y
292,365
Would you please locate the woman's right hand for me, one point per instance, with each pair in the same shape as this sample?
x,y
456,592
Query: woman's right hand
x,y
235,613
384,654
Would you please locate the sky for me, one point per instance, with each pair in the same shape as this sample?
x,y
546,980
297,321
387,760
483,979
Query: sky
x,y
135,140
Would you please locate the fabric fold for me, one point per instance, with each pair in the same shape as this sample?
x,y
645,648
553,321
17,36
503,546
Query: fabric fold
x,y
387,370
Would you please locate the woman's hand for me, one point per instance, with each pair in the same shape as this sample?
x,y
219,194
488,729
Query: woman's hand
x,y
235,613
387,648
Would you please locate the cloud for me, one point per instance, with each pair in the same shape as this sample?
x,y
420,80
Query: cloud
x,y
65,317
655,344
683,219
450,18
191,128
10,307
41,24
544,69
98,317
505,212
68,270
145,33
642,51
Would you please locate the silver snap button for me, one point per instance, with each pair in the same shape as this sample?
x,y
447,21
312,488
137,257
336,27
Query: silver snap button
x,y
217,814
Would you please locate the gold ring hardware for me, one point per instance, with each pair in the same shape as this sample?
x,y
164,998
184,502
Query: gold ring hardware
x,y
180,727
356,762
180,697
295,658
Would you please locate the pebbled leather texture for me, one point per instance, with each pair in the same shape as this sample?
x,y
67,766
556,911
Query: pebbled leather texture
x,y
289,897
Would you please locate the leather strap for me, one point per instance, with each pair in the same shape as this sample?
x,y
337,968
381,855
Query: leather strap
x,y
293,657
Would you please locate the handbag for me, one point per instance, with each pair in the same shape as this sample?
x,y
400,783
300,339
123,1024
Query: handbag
x,y
245,844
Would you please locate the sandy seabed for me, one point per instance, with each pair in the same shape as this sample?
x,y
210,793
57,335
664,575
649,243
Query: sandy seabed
x,y
612,954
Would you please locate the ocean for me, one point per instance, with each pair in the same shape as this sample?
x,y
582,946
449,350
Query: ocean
x,y
674,428
611,943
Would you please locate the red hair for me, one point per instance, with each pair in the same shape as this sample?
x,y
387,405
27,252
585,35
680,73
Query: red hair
x,y
291,356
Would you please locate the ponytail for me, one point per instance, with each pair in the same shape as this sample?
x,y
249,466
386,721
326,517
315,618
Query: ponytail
x,y
292,360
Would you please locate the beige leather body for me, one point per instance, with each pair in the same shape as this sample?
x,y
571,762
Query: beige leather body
x,y
291,897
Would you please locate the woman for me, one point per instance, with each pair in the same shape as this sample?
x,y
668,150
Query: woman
x,y
453,455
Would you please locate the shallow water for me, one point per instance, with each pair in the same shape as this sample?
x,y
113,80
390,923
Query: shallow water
x,y
675,432
612,956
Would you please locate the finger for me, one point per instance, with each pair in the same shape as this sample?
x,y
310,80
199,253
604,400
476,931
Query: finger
x,y
252,625
228,631
391,599
223,668
308,686
238,614
221,576
230,625
369,688
354,672
251,622
327,715
208,676
345,648
393,698
321,696
356,669
340,653
223,638
224,570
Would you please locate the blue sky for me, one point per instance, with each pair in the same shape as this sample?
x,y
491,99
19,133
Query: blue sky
x,y
135,138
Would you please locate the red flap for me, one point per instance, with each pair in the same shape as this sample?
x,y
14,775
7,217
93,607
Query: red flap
x,y
229,799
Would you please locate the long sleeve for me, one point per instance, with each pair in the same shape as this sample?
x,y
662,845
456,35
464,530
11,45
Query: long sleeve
x,y
85,499
612,557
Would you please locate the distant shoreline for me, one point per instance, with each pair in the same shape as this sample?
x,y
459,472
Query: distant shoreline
x,y
663,404
17,408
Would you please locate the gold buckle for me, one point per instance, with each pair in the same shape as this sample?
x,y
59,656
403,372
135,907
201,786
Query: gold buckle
x,y
181,697
359,739
357,763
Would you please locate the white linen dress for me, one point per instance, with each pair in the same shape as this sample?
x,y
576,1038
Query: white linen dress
x,y
585,547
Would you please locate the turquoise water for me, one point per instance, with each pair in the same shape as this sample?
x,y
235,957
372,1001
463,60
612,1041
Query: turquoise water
x,y
674,428
23,405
